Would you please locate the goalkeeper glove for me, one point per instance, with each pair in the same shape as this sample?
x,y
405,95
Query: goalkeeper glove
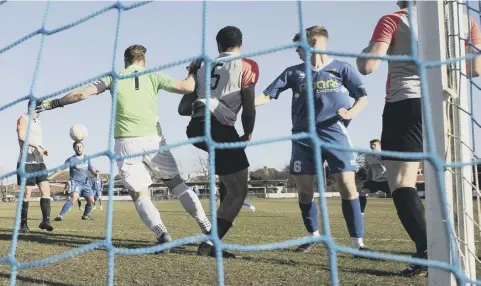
x,y
48,104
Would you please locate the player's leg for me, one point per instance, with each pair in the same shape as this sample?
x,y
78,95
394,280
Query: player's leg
x,y
95,202
73,197
343,166
79,202
250,206
406,136
44,187
232,167
164,166
136,178
88,194
222,192
302,168
25,205
29,184
368,187
99,198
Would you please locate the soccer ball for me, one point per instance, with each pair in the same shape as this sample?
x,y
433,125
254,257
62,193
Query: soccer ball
x,y
78,132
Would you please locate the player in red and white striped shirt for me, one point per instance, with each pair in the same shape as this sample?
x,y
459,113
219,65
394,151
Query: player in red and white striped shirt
x,y
402,118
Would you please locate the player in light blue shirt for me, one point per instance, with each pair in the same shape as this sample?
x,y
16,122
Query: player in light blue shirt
x,y
97,186
80,182
335,84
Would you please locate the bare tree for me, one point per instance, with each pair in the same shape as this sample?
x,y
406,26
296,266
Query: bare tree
x,y
181,169
203,166
3,184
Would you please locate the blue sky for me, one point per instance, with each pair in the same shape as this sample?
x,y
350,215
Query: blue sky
x,y
171,31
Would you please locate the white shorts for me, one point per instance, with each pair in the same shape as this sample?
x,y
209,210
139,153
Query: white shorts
x,y
136,172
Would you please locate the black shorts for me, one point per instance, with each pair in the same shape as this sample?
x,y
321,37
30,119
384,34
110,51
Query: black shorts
x,y
402,128
374,186
227,161
31,168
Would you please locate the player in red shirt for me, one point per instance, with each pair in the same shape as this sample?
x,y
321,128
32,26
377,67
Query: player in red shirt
x,y
402,119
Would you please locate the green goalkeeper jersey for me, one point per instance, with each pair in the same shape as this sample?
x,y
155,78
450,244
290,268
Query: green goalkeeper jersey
x,y
136,114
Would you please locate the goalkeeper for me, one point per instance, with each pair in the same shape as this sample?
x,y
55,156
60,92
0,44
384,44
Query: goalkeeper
x,y
136,131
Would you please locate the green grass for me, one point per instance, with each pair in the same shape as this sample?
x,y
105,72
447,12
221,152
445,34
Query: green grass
x,y
274,221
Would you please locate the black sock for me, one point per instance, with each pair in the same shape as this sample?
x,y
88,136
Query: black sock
x,y
45,207
363,202
24,212
222,192
79,203
223,227
410,210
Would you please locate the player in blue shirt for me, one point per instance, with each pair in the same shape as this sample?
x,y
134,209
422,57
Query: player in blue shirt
x,y
97,186
335,84
80,182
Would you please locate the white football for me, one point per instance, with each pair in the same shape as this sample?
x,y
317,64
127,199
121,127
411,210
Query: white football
x,y
78,132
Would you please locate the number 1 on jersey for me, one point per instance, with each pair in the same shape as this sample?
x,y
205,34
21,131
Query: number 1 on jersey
x,y
214,77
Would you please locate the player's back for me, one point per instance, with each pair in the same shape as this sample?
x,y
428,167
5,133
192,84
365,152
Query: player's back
x,y
137,102
227,79
79,171
403,80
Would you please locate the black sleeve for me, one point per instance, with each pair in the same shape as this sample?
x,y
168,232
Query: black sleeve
x,y
248,108
185,105
100,85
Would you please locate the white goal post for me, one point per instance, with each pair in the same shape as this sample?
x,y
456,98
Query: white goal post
x,y
448,93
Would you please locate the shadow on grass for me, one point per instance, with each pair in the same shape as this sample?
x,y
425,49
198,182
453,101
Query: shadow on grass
x,y
34,281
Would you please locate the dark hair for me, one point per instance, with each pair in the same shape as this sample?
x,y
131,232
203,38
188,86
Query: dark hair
x,y
229,37
75,143
375,141
37,103
134,53
405,4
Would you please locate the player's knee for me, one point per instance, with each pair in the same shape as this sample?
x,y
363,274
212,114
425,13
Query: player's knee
x,y
346,183
135,195
176,185
305,196
44,188
401,174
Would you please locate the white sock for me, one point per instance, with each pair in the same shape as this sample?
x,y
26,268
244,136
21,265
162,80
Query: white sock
x,y
191,203
150,215
357,242
316,233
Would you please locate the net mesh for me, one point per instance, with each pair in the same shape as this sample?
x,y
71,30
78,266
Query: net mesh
x,y
326,238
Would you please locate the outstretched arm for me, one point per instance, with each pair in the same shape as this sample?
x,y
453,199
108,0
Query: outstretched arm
x,y
75,96
262,99
185,86
78,95
279,85
57,173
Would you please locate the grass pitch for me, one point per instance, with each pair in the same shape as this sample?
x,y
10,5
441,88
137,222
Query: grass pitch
x,y
274,221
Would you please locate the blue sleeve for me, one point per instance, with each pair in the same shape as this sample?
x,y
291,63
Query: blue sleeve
x,y
352,81
91,169
280,84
